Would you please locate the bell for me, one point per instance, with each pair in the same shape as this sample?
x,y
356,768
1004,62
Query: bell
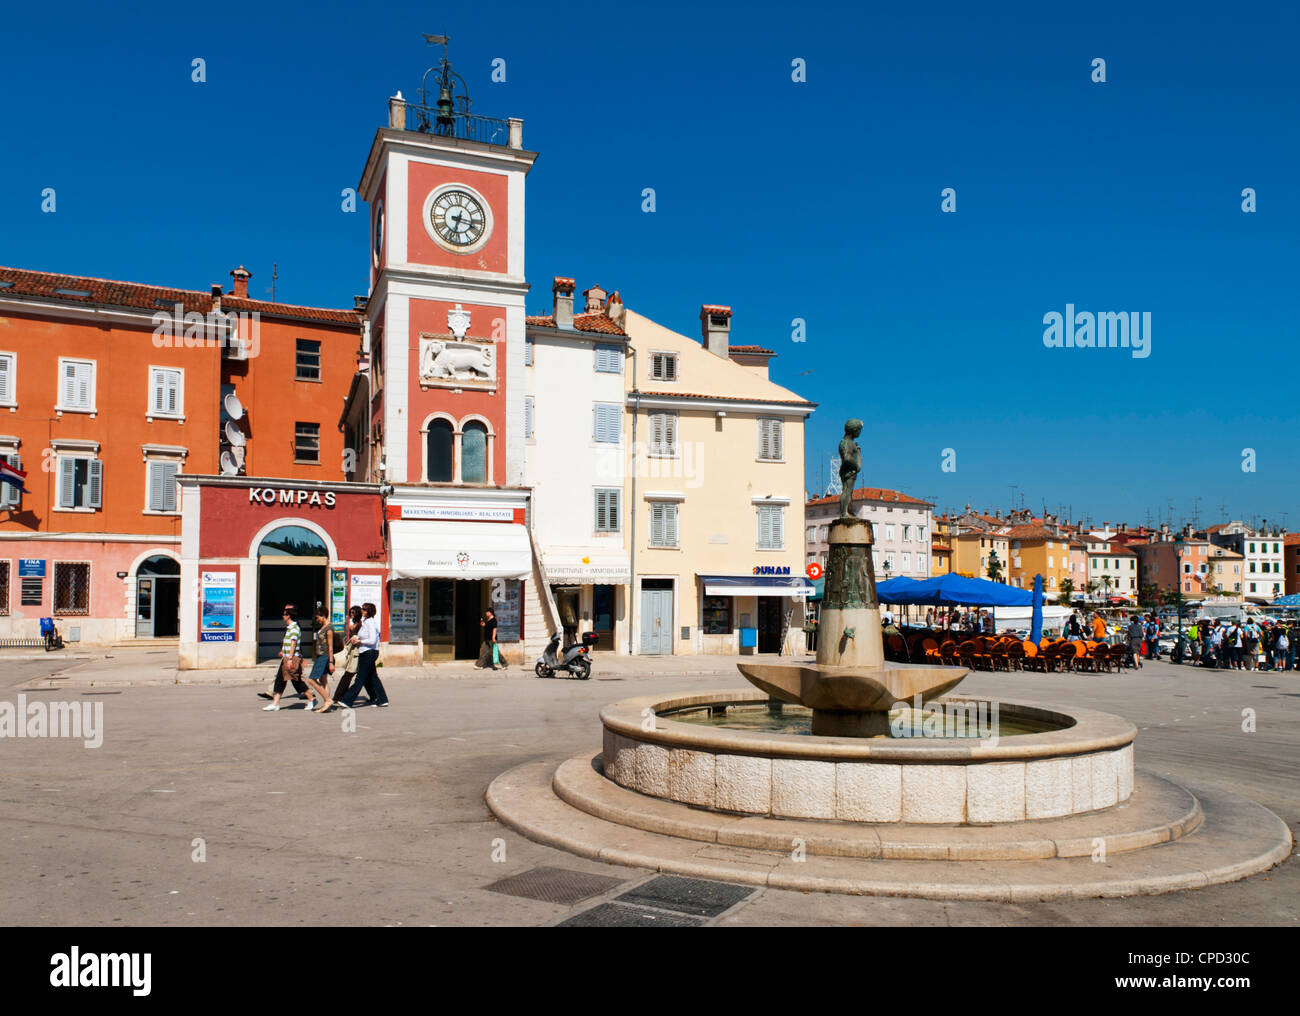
x,y
446,120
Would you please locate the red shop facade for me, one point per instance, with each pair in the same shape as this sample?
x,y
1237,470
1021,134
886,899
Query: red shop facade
x,y
249,546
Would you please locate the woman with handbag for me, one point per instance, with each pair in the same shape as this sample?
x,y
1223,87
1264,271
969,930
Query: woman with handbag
x,y
290,661
367,639
351,653
323,663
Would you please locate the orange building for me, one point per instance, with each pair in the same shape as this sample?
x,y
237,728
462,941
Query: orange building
x,y
108,392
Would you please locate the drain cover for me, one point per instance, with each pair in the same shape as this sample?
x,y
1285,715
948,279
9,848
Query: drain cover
x,y
615,915
688,895
554,885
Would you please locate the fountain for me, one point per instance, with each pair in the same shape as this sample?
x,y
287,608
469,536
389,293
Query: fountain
x,y
723,783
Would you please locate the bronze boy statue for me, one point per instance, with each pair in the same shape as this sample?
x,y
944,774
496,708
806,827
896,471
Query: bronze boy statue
x,y
850,465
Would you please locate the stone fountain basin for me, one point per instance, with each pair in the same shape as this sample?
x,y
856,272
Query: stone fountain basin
x,y
1083,764
851,689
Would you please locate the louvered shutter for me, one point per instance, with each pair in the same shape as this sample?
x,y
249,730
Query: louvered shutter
x,y
764,440
171,402
764,527
67,482
657,524
670,433
68,397
169,471
670,524
614,509
82,397
6,379
528,352
609,359
778,438
528,417
656,432
778,527
96,481
670,368
155,497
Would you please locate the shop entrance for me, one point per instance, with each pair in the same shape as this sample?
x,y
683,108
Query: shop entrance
x,y
471,599
292,567
157,598
569,609
770,620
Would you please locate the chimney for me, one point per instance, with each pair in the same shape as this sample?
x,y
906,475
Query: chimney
x,y
241,276
359,303
216,299
397,112
715,328
562,289
595,297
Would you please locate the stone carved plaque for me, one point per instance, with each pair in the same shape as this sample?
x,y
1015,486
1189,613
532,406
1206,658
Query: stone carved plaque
x,y
449,362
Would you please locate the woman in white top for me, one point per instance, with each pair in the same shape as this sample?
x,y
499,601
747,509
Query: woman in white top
x,y
367,639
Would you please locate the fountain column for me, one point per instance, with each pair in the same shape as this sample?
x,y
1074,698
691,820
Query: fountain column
x,y
849,630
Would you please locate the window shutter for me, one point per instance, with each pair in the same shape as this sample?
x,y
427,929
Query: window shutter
x,y
600,511
528,352
615,510
778,439
609,359
82,397
657,524
6,379
155,495
172,391
671,526
169,471
67,481
96,481
528,416
764,442
69,395
670,367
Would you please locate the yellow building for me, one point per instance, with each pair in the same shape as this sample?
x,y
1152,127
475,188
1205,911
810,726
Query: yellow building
x,y
716,492
1037,550
972,551
940,557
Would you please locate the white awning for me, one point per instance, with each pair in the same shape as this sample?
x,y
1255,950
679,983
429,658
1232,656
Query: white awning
x,y
587,565
459,550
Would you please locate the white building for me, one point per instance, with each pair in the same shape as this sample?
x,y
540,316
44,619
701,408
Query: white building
x,y
900,523
574,366
1262,579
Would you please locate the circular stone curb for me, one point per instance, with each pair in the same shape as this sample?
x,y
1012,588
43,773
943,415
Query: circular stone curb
x,y
1159,812
1238,838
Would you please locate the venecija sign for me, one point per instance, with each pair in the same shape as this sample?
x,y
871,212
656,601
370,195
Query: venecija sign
x,y
281,495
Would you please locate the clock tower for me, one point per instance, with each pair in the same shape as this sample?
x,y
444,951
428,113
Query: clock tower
x,y
445,189
444,400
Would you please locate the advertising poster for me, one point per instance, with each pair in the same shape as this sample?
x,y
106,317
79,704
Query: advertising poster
x,y
403,611
507,601
338,599
368,589
217,597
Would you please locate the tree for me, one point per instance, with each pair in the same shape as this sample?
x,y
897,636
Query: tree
x,y
1169,597
995,567
1067,593
1148,594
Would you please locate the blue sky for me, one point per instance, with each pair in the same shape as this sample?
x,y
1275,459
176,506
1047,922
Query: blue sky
x,y
818,200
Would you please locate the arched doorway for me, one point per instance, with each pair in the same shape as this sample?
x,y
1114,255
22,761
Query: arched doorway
x,y
292,567
157,598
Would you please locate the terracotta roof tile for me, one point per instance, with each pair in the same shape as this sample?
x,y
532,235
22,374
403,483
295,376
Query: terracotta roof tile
x,y
731,398
593,322
139,296
874,494
752,350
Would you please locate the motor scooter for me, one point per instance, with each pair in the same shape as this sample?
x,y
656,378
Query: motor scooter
x,y
575,660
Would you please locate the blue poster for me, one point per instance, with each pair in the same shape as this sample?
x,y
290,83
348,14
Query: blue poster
x,y
217,592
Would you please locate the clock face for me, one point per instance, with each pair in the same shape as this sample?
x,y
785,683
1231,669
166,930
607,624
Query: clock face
x,y
457,219
379,233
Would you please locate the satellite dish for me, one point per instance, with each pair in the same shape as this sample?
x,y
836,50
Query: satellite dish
x,y
237,453
228,466
234,408
234,435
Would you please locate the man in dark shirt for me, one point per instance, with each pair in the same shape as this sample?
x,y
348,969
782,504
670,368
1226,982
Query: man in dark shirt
x,y
489,626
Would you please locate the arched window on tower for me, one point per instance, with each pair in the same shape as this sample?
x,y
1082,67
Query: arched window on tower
x,y
440,452
473,453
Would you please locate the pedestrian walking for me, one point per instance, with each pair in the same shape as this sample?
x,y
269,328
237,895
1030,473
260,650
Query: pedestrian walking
x,y
351,652
488,648
368,656
1135,636
290,661
322,665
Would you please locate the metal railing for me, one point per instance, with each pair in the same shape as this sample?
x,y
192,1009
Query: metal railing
x,y
469,126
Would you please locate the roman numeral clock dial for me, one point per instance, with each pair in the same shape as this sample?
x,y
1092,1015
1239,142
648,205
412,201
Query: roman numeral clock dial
x,y
458,220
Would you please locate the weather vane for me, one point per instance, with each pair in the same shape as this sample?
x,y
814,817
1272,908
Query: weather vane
x,y
448,99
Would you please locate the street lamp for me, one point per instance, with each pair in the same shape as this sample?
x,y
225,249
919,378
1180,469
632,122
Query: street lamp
x,y
1178,568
